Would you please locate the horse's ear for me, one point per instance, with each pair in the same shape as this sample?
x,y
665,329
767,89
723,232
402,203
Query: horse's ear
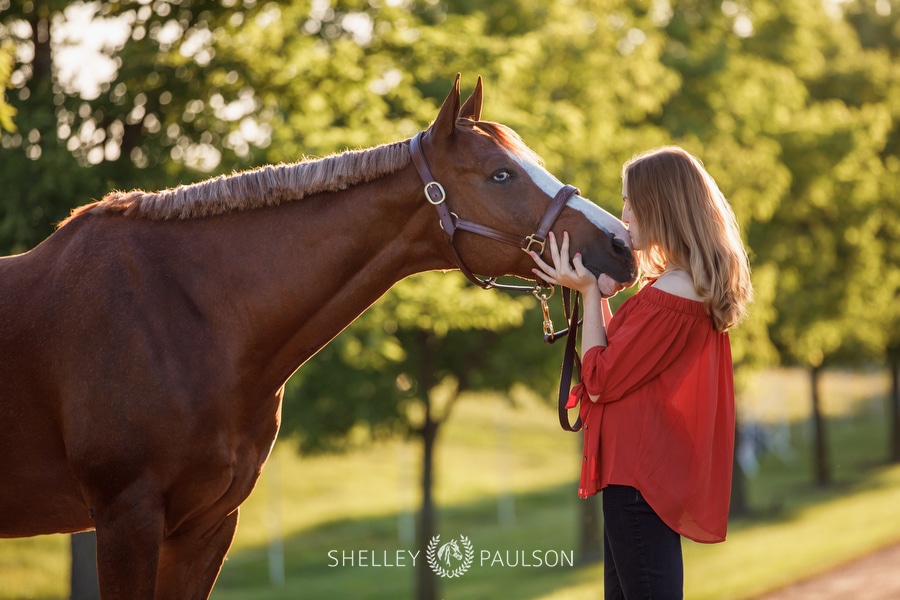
x,y
472,107
445,123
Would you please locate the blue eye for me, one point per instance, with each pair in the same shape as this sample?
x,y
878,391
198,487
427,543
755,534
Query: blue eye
x,y
501,176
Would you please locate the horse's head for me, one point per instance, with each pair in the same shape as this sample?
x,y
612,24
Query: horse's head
x,y
495,184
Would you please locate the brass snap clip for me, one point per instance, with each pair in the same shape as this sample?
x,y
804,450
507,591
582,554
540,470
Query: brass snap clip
x,y
545,308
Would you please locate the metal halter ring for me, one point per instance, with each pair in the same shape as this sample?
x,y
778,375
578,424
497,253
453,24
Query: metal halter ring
x,y
455,216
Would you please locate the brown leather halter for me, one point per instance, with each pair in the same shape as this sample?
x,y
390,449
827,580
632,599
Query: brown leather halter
x,y
451,222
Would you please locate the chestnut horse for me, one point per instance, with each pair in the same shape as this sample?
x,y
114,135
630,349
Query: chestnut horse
x,y
145,343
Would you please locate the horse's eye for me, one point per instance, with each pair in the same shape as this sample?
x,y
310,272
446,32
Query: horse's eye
x,y
501,176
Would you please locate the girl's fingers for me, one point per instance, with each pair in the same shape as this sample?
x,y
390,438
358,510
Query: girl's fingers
x,y
563,271
545,271
554,252
576,262
539,261
580,269
561,257
548,278
565,262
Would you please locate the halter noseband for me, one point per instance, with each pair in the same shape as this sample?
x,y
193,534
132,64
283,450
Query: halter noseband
x,y
450,222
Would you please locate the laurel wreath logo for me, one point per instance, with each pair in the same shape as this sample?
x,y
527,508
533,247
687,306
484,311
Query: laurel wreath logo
x,y
434,550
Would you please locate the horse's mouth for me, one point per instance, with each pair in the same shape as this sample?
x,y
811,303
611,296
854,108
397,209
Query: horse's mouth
x,y
597,270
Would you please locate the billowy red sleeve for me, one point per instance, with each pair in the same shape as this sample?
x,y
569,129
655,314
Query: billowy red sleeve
x,y
644,338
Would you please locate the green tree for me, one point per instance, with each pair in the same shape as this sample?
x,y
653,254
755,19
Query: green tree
x,y
165,111
876,24
37,176
820,238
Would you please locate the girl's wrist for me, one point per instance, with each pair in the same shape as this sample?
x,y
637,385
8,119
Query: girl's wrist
x,y
591,291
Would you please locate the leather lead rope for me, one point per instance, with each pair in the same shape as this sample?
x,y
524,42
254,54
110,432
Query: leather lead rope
x,y
571,360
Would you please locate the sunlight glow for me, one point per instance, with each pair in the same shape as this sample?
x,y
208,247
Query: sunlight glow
x,y
84,45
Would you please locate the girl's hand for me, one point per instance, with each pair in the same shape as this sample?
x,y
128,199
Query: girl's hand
x,y
571,274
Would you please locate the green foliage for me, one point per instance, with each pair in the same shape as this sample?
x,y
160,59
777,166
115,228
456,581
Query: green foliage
x,y
166,112
875,82
434,336
791,115
7,112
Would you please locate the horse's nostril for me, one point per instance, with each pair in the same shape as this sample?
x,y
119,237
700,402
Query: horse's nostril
x,y
620,246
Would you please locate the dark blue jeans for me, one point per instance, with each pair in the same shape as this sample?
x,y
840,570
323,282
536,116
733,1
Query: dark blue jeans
x,y
642,555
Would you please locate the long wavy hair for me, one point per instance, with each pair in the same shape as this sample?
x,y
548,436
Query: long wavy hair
x,y
685,222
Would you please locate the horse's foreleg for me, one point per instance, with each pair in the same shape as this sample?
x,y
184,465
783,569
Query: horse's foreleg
x,y
190,562
129,535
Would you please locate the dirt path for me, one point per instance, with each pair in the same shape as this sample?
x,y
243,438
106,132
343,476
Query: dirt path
x,y
873,577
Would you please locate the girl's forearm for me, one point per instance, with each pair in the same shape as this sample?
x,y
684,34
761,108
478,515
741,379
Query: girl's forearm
x,y
596,315
593,329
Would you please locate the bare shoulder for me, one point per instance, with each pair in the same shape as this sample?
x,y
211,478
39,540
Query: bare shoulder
x,y
677,283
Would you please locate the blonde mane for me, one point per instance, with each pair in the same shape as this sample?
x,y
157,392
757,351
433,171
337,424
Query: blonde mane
x,y
266,186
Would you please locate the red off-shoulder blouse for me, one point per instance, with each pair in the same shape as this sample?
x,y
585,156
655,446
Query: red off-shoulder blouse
x,y
664,422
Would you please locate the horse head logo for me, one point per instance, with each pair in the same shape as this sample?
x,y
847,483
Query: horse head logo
x,y
448,550
443,557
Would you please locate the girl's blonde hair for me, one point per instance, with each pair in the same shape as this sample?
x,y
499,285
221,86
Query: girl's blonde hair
x,y
685,222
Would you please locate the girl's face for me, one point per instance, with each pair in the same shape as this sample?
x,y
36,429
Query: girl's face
x,y
628,219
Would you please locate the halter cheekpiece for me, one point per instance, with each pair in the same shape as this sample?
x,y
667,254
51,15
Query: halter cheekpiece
x,y
451,222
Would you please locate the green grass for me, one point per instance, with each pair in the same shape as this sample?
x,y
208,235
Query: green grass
x,y
492,457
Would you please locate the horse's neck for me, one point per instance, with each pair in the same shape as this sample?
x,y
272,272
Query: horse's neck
x,y
309,268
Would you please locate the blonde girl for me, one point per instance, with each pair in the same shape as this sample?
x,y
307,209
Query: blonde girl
x,y
657,391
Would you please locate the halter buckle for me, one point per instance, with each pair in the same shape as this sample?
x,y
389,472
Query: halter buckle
x,y
434,193
531,239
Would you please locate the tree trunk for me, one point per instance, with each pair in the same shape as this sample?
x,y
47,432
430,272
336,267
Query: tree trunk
x,y
590,523
426,579
84,566
820,441
894,408
40,35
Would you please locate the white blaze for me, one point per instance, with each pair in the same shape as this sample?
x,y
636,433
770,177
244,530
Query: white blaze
x,y
550,185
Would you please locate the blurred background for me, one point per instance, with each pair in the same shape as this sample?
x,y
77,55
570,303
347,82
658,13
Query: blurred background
x,y
436,406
